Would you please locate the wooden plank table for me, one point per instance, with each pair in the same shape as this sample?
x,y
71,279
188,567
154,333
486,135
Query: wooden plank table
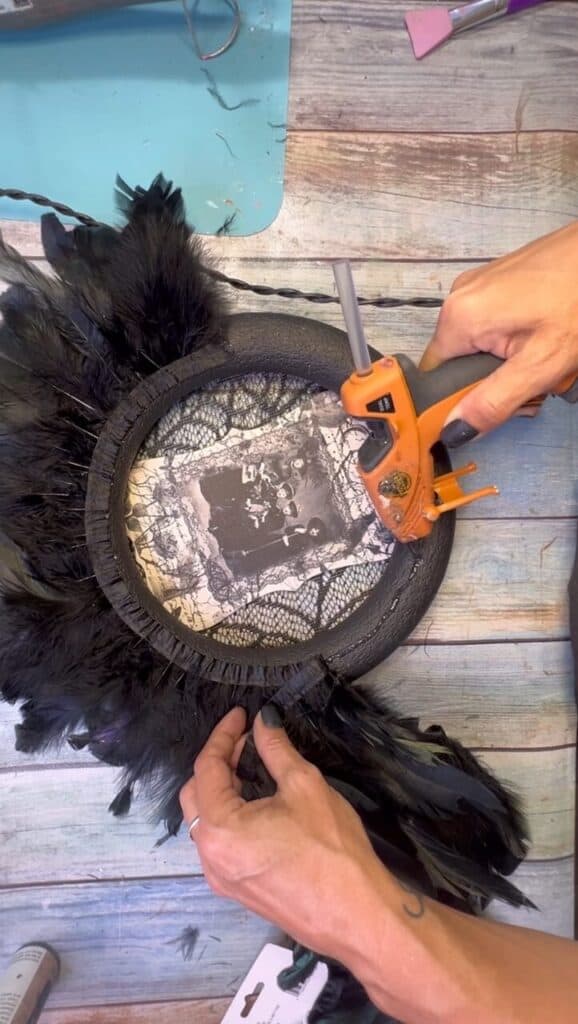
x,y
416,171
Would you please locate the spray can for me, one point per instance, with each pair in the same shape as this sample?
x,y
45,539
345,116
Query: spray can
x,y
25,986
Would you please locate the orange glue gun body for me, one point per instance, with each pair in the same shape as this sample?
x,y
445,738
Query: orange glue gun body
x,y
405,410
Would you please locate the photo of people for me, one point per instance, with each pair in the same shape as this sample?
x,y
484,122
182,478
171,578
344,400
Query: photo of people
x,y
258,512
264,513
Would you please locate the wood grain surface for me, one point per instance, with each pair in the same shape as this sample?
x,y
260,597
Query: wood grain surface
x,y
512,695
353,68
120,942
416,171
187,1011
406,196
99,847
517,459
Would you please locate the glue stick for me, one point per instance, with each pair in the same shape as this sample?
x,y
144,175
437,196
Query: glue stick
x,y
25,986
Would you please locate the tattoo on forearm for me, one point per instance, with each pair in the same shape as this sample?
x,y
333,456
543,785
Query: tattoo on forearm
x,y
418,910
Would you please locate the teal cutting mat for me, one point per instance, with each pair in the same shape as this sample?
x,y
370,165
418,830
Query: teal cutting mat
x,y
124,92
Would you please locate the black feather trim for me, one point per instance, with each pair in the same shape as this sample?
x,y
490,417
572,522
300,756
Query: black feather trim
x,y
73,346
120,806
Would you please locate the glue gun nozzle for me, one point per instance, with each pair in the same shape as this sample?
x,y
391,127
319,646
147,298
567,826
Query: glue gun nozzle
x,y
350,309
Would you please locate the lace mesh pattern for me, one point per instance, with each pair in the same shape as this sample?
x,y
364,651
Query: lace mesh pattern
x,y
247,411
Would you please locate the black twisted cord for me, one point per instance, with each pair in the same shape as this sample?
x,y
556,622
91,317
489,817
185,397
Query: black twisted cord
x,y
321,298
66,211
383,302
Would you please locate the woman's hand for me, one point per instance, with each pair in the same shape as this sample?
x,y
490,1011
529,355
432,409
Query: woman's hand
x,y
523,308
300,858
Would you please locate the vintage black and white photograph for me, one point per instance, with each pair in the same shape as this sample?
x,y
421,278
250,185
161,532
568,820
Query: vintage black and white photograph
x,y
256,512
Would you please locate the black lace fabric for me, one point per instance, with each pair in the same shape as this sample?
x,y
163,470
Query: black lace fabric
x,y
246,514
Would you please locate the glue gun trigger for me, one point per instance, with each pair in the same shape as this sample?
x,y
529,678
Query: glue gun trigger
x,y
375,447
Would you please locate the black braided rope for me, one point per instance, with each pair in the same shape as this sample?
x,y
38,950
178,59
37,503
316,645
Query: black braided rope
x,y
381,302
66,211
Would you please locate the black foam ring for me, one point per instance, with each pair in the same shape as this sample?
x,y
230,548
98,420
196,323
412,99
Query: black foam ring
x,y
255,345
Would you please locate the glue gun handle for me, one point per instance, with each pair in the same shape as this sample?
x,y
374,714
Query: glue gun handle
x,y
430,388
435,386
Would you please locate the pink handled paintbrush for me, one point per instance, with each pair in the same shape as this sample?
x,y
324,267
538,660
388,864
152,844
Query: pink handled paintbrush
x,y
431,27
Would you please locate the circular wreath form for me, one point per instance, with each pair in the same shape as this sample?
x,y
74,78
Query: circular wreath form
x,y
92,358
253,344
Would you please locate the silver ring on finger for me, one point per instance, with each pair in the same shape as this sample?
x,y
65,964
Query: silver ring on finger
x,y
194,824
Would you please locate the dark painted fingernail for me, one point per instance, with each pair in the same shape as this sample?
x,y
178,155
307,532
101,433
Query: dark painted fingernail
x,y
271,717
457,432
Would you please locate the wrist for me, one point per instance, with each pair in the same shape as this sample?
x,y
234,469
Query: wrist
x,y
372,893
406,953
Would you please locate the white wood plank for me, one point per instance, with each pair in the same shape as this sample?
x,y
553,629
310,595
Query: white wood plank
x,y
55,826
508,581
187,1011
495,695
558,921
518,457
406,329
517,695
404,196
498,695
545,782
550,885
353,69
24,235
397,197
117,941
11,758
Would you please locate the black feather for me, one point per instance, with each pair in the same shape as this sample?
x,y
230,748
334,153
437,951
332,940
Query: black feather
x,y
186,942
120,806
119,304
449,869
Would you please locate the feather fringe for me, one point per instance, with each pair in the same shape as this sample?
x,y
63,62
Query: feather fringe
x,y
121,304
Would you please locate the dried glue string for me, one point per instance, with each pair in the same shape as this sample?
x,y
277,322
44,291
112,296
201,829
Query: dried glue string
x,y
319,298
